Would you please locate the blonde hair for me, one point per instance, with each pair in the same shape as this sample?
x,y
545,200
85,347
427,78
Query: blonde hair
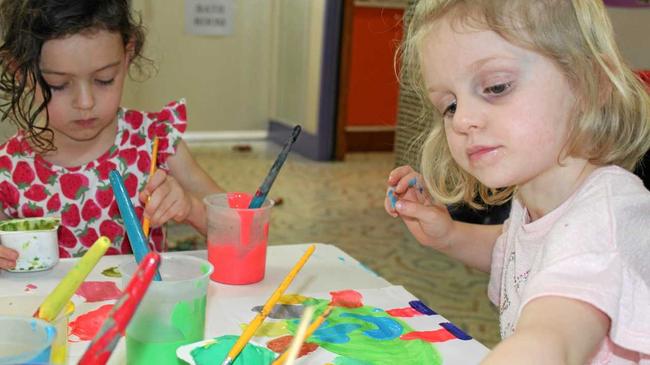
x,y
611,123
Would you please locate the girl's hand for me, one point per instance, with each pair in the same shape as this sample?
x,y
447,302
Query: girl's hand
x,y
165,199
430,223
8,258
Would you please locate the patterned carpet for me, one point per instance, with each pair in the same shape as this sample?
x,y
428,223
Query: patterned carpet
x,y
342,203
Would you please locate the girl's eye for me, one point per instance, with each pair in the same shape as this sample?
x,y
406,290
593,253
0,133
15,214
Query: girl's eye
x,y
56,87
498,89
449,110
105,82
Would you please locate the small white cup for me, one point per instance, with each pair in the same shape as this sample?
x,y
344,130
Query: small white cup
x,y
36,241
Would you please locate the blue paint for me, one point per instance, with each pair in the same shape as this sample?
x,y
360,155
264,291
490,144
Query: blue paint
x,y
422,308
413,182
342,258
457,332
392,197
131,222
335,334
387,328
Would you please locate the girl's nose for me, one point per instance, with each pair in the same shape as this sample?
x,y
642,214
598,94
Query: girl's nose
x,y
467,118
84,98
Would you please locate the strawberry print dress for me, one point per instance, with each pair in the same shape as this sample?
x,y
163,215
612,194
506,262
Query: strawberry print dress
x,y
82,195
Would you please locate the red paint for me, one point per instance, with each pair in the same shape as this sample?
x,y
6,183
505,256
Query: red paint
x,y
98,291
100,349
236,266
86,326
243,262
29,287
346,298
440,335
403,312
281,344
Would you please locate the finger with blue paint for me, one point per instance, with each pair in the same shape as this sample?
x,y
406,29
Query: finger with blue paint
x,y
404,183
134,231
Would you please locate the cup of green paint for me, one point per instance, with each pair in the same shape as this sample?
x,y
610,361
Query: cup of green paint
x,y
35,240
172,312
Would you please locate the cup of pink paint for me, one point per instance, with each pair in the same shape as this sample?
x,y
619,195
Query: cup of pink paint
x,y
237,237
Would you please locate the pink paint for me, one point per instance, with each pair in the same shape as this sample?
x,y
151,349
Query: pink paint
x,y
86,326
29,287
440,335
243,262
346,298
97,291
233,265
403,312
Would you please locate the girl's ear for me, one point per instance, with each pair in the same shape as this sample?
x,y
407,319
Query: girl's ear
x,y
129,48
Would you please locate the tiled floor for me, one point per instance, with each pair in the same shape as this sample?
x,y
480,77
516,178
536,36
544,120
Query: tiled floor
x,y
342,203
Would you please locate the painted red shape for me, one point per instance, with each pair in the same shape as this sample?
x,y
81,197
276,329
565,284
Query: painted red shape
x,y
403,312
29,287
86,326
346,298
281,344
98,291
440,335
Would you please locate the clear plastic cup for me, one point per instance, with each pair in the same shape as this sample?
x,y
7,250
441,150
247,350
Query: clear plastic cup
x,y
172,312
25,340
237,237
26,305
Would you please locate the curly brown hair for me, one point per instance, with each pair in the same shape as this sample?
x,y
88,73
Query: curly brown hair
x,y
26,25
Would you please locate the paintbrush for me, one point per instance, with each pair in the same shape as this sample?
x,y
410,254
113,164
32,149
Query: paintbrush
x,y
56,300
152,170
131,223
299,338
310,330
259,318
101,347
260,194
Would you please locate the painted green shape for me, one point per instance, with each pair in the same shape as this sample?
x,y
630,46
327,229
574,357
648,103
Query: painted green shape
x,y
25,245
363,348
215,353
44,224
189,318
112,272
342,360
270,329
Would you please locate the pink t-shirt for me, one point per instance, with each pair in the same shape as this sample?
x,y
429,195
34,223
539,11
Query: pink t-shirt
x,y
82,195
595,247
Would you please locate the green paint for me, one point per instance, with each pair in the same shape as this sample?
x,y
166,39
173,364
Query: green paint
x,y
112,272
159,353
189,318
215,353
188,322
363,348
29,224
348,361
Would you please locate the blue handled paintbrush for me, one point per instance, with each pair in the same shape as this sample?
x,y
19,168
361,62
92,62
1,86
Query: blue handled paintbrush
x,y
261,193
131,222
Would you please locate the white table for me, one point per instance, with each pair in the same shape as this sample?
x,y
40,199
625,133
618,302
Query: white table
x,y
328,269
